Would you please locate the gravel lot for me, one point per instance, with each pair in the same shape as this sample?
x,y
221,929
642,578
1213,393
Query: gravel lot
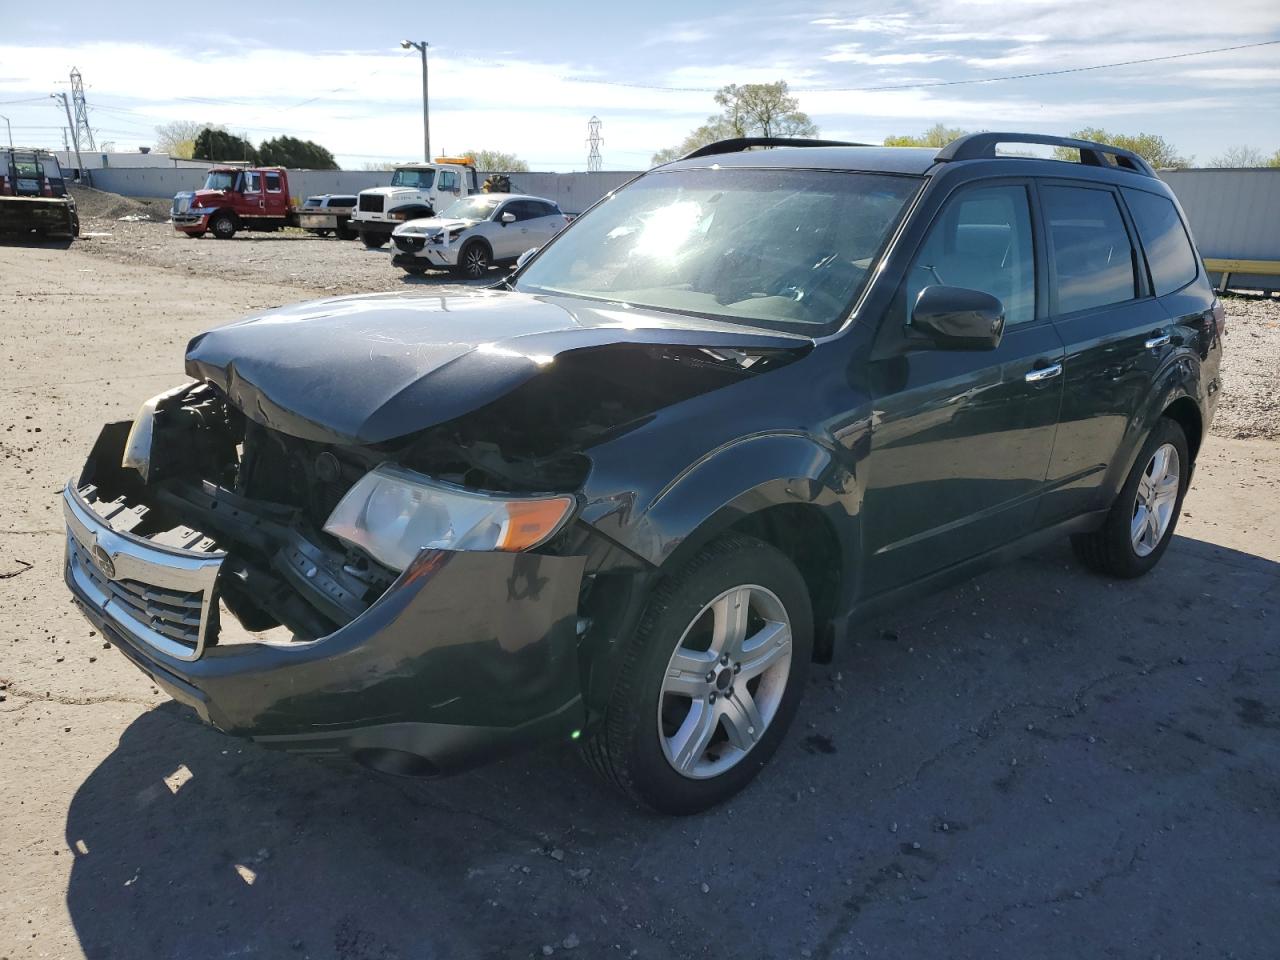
x,y
1040,763
323,265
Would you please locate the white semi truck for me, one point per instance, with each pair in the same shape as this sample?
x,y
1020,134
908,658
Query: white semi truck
x,y
416,190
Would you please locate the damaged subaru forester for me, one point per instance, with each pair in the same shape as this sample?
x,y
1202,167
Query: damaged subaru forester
x,y
627,495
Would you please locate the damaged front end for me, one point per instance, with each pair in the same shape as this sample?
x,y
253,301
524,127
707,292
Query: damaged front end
x,y
318,563
192,513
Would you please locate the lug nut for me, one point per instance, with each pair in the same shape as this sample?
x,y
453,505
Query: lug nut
x,y
729,691
724,660
711,698
737,669
711,675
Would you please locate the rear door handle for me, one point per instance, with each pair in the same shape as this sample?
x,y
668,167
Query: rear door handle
x,y
1044,373
1159,340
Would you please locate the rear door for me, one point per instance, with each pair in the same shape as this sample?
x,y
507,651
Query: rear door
x,y
961,438
546,221
254,205
275,199
1116,336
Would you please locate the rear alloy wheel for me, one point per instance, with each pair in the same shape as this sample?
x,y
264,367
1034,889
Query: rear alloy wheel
x,y
1140,525
223,226
710,681
473,262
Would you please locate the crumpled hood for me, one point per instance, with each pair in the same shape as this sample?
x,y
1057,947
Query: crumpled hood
x,y
374,367
430,225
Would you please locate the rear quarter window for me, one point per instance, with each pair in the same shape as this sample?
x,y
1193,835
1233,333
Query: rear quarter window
x,y
1170,255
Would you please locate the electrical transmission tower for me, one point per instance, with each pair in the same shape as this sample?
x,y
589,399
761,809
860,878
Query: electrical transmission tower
x,y
80,133
595,162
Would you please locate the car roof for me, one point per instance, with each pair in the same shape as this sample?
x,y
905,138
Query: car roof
x,y
511,196
910,160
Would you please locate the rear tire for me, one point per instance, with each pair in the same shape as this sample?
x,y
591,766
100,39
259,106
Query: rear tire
x,y
1144,515
195,236
671,738
223,226
373,241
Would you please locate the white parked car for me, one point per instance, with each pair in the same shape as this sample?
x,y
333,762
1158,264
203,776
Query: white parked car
x,y
476,232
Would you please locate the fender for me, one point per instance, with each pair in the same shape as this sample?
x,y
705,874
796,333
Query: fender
x,y
727,484
1178,378
739,478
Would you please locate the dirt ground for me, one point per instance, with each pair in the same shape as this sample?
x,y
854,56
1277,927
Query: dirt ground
x,y
1040,763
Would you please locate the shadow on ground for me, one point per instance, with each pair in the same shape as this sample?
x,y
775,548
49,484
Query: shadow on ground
x,y
1039,763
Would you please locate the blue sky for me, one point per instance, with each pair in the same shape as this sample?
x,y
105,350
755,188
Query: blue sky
x,y
527,77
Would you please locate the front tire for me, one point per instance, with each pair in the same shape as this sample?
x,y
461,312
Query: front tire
x,y
373,241
1141,522
474,260
223,226
710,681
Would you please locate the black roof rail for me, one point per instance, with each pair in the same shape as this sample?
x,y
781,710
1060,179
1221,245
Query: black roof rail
x,y
738,144
978,146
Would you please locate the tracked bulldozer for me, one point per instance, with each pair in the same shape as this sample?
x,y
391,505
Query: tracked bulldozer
x,y
34,201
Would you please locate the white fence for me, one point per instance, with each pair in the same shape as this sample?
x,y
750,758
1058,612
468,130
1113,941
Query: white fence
x,y
573,191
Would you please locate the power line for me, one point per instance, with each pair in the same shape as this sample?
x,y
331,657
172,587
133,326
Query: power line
x,y
947,83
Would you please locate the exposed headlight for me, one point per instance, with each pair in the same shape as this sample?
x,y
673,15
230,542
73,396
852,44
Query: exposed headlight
x,y
393,513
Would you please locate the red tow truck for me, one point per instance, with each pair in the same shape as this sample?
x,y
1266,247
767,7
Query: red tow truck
x,y
252,198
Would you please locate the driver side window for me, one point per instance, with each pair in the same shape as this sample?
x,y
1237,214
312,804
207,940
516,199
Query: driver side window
x,y
981,241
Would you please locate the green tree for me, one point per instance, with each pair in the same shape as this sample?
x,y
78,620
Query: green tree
x,y
299,154
1275,160
747,110
496,161
936,136
213,143
178,138
1153,148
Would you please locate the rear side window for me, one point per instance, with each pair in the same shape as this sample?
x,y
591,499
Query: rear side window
x,y
1092,255
1169,252
273,182
982,241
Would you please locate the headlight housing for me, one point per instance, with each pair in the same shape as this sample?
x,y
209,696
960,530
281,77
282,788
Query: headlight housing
x,y
137,447
393,513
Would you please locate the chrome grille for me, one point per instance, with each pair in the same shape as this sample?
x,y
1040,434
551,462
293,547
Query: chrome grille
x,y
161,595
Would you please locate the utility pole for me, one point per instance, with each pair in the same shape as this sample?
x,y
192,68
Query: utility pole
x,y
74,138
10,126
421,47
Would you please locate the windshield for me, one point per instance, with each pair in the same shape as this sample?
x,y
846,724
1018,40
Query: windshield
x,y
786,248
471,208
219,180
418,179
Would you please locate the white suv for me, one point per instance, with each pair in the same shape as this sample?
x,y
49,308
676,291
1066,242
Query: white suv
x,y
476,232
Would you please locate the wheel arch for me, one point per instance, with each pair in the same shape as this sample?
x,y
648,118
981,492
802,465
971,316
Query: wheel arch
x,y
1185,412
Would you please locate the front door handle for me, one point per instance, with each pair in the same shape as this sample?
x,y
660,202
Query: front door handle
x,y
1159,340
1041,374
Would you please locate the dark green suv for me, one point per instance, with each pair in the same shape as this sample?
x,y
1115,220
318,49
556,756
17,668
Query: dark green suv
x,y
627,496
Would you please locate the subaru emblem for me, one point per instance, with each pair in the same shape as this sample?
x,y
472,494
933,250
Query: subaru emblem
x,y
102,560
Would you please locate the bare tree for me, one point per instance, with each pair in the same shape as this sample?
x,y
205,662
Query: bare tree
x,y
178,138
1240,156
495,160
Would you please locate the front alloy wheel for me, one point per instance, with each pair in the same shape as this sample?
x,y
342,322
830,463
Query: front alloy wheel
x,y
725,681
474,261
710,680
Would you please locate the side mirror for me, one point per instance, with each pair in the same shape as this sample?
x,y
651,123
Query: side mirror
x,y
956,318
508,218
524,257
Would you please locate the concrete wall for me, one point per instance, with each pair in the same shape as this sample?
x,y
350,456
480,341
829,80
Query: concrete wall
x,y
573,191
1234,214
